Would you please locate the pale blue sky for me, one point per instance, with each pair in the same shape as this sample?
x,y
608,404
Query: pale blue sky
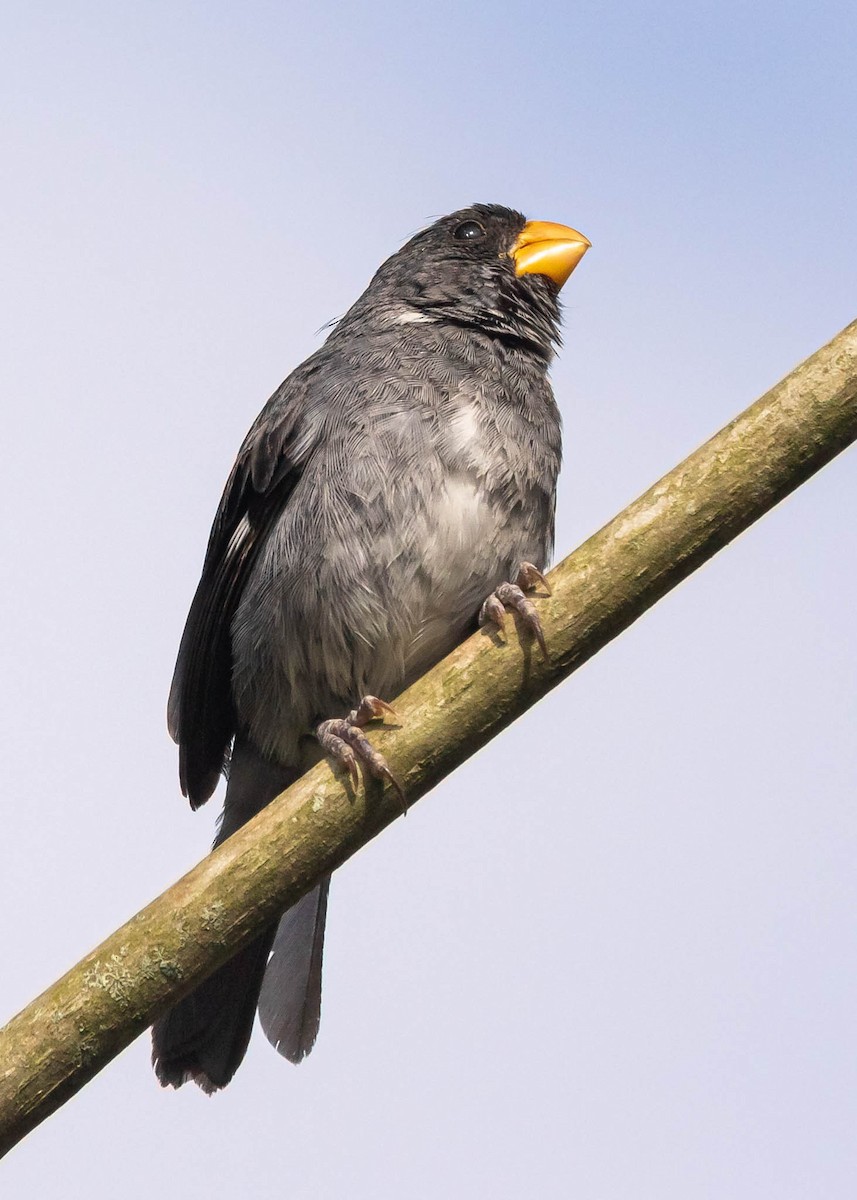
x,y
614,956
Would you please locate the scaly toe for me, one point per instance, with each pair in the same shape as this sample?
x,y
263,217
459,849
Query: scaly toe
x,y
492,610
344,742
333,739
510,595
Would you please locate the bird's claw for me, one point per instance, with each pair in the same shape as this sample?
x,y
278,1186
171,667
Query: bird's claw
x,y
369,708
344,741
530,577
513,595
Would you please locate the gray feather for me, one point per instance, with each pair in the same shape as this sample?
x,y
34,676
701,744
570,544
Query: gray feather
x,y
290,1000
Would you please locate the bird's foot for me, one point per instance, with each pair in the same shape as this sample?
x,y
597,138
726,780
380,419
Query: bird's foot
x,y
513,595
343,740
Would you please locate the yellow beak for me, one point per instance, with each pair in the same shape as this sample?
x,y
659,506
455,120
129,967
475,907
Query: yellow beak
x,y
543,248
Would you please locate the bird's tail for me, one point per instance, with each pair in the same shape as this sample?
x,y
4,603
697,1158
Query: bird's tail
x,y
290,1000
205,1036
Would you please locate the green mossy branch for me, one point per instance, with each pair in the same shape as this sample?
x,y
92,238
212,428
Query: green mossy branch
x,y
70,1032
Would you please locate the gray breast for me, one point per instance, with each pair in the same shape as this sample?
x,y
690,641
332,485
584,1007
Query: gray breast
x,y
399,528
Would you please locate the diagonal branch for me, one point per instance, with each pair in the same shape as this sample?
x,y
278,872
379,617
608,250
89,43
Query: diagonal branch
x,y
70,1032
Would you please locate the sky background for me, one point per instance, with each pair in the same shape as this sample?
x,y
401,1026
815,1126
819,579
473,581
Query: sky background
x,y
614,956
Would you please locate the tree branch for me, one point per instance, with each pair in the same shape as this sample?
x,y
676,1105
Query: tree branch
x,y
70,1032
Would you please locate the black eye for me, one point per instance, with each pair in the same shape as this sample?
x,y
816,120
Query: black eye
x,y
468,231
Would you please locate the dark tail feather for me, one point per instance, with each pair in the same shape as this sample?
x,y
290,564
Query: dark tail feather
x,y
205,1036
290,1000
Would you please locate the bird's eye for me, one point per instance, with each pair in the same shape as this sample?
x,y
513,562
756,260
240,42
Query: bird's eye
x,y
468,231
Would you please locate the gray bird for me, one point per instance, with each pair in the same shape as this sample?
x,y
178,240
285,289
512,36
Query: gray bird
x,y
397,488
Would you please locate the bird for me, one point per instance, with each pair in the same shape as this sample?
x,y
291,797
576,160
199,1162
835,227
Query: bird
x,y
396,491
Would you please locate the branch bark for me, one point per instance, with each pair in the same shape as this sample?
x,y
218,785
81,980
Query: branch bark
x,y
68,1034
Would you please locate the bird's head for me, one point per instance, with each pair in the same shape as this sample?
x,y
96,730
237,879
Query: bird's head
x,y
485,267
